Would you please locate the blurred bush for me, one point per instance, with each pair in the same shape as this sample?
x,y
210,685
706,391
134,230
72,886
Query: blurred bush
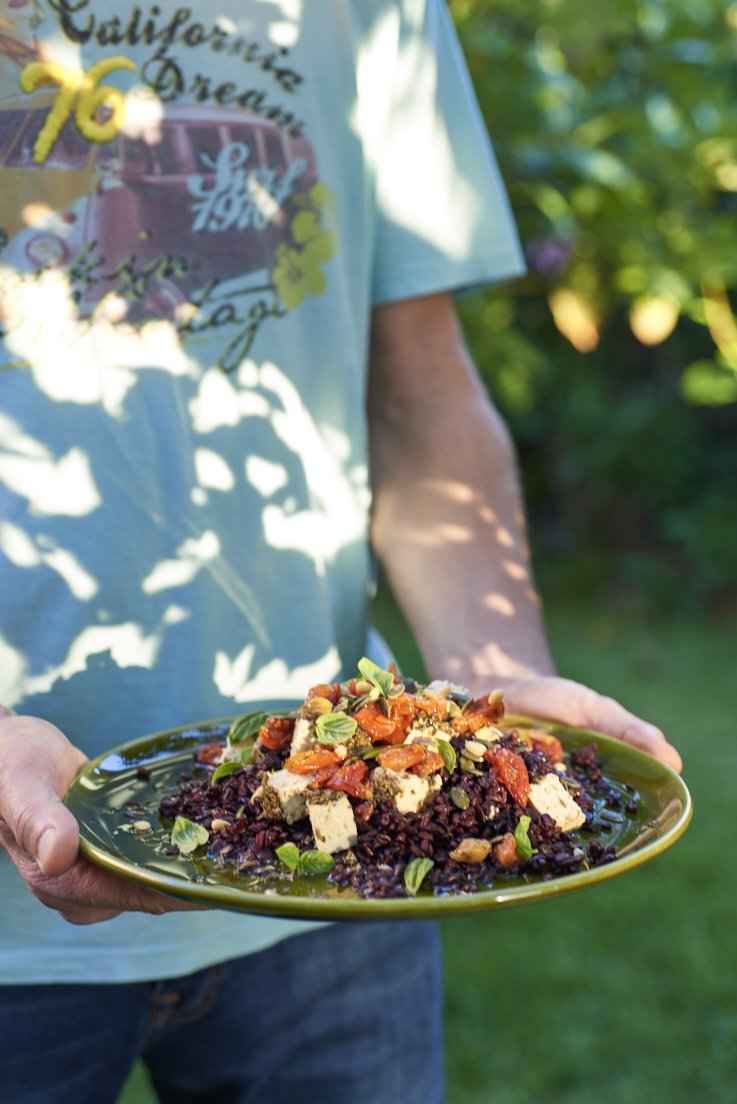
x,y
615,360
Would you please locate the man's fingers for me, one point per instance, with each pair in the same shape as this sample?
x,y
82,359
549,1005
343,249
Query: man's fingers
x,y
36,766
87,894
42,826
570,703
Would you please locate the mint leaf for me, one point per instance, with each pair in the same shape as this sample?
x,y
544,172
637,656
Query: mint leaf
x,y
415,873
334,728
309,862
525,850
245,727
188,836
448,753
315,862
230,766
381,679
289,854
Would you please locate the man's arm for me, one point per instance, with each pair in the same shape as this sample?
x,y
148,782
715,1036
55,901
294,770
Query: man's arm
x,y
448,525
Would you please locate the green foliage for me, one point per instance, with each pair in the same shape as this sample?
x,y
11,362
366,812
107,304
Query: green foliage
x,y
615,360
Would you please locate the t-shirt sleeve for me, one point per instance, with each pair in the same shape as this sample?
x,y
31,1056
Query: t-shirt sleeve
x,y
443,220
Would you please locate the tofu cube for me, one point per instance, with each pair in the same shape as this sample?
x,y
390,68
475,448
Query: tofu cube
x,y
407,792
333,823
429,732
550,796
285,795
303,737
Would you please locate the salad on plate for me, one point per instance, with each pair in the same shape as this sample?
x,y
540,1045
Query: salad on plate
x,y
389,788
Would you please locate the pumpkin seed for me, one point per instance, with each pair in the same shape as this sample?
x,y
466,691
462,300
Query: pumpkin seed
x,y
459,797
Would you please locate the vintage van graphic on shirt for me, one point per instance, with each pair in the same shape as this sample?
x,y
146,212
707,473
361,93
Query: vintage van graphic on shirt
x,y
211,218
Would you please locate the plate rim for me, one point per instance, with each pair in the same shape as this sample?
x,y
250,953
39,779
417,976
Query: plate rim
x,y
233,898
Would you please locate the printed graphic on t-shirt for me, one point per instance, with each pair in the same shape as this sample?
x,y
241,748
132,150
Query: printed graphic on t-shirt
x,y
153,167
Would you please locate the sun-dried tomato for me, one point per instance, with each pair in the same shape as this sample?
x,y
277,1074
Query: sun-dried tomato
x,y
403,711
352,778
505,852
308,762
402,758
332,691
547,745
431,764
276,733
511,771
435,708
323,776
379,728
210,753
478,713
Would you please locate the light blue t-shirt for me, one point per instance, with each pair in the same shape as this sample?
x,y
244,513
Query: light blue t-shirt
x,y
199,207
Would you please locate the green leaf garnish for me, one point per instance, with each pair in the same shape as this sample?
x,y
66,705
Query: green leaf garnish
x,y
334,728
230,766
316,862
448,753
188,836
525,850
309,862
415,873
245,727
381,679
371,752
289,854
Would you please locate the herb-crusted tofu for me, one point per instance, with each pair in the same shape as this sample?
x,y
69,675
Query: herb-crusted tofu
x,y
407,792
285,795
303,737
424,729
333,823
550,796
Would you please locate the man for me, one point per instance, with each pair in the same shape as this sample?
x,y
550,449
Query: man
x,y
225,234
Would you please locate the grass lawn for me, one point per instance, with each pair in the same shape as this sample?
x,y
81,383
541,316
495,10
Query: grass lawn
x,y
625,992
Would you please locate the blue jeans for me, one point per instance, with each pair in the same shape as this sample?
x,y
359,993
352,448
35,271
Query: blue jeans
x,y
349,1013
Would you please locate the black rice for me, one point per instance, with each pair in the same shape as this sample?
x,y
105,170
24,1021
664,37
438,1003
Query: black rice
x,y
389,840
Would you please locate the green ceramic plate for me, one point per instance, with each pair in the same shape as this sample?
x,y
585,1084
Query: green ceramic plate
x,y
142,771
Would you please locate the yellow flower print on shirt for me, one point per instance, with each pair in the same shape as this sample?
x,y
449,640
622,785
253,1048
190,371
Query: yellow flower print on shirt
x,y
297,272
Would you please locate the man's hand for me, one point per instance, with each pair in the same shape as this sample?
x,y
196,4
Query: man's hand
x,y
37,765
560,699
